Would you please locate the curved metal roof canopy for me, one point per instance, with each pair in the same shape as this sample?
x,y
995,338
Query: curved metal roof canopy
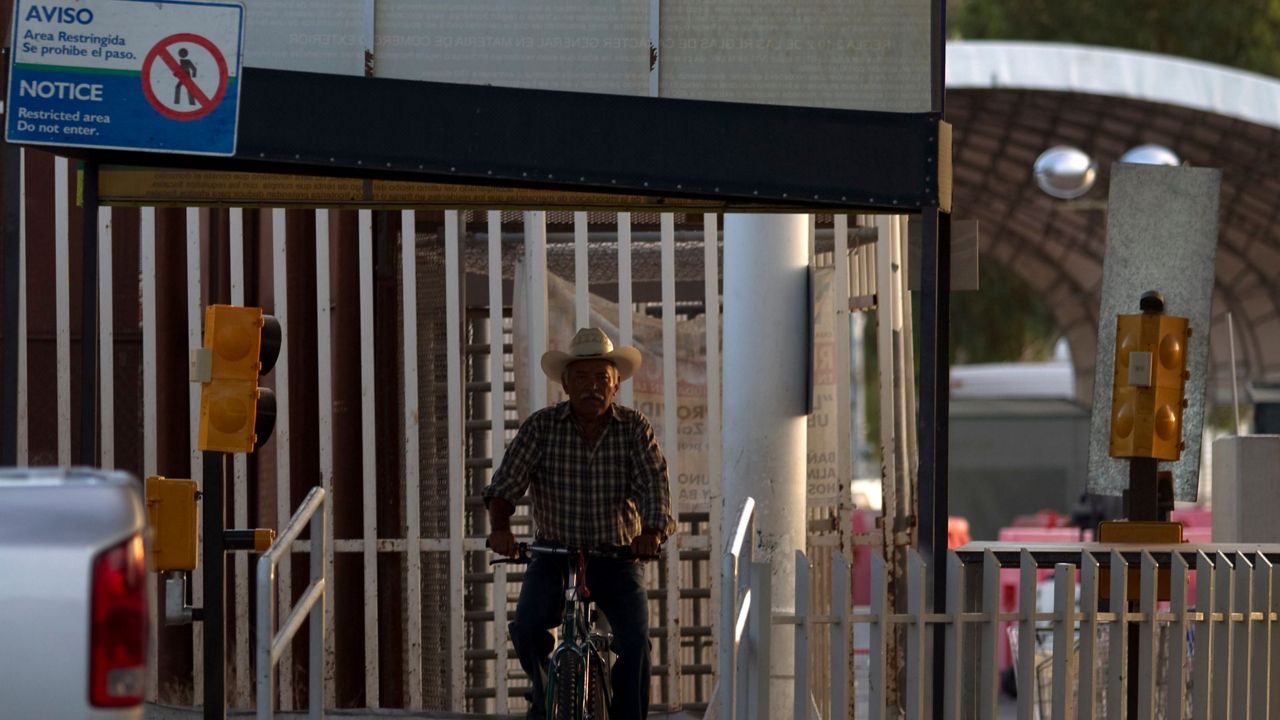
x,y
1011,101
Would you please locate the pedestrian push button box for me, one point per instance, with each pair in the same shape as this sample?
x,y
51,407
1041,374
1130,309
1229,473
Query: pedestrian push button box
x,y
171,510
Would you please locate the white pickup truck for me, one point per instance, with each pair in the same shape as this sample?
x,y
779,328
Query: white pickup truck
x,y
73,594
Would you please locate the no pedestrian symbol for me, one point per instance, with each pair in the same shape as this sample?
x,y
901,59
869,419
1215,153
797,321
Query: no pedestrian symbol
x,y
184,76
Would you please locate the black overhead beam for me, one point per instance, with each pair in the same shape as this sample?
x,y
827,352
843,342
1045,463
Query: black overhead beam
x,y
309,123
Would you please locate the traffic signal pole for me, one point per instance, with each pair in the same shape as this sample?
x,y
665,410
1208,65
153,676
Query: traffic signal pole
x,y
215,601
236,416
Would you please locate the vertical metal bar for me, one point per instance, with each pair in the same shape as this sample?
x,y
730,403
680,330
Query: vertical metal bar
x,y
194,339
1118,663
15,336
213,627
265,668
284,502
989,687
319,648
910,441
1241,632
147,271
324,400
744,656
535,248
1175,672
1145,682
711,295
843,368
934,408
62,305
497,444
1026,635
23,429
581,272
889,457
147,261
761,634
369,462
903,372
1202,685
917,630
1273,648
106,342
1087,698
626,316
457,483
803,610
413,466
671,441
89,316
840,634
1223,602
726,646
243,690
1260,656
954,638
879,632
1064,637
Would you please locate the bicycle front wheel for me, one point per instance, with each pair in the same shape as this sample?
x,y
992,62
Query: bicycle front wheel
x,y
597,690
564,691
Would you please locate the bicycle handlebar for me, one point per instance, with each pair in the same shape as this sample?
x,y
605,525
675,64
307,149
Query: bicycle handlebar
x,y
523,556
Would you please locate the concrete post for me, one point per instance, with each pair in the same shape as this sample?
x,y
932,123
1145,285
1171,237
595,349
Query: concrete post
x,y
766,306
1246,489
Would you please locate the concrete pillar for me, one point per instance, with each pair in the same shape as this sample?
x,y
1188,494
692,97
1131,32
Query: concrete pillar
x,y
766,303
1246,489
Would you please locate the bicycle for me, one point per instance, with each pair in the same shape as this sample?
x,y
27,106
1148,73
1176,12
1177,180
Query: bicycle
x,y
578,672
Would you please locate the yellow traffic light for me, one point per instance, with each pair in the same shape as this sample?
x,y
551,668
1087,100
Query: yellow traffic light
x,y
240,343
1147,390
171,510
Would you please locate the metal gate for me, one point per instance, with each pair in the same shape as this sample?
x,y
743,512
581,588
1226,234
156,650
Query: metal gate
x,y
397,385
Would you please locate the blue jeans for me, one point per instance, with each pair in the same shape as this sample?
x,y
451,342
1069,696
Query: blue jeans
x,y
617,588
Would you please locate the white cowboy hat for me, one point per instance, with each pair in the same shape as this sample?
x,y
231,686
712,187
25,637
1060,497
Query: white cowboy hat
x,y
591,344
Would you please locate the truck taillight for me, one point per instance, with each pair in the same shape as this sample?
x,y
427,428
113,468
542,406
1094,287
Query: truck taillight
x,y
118,626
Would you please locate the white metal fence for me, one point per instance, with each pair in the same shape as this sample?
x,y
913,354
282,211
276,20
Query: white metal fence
x,y
1210,650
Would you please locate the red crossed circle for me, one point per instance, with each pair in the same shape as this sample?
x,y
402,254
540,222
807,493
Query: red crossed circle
x,y
161,53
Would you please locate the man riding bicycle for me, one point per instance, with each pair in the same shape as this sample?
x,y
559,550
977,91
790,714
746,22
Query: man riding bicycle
x,y
597,480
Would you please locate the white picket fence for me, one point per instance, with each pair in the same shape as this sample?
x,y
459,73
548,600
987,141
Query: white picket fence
x,y
1211,652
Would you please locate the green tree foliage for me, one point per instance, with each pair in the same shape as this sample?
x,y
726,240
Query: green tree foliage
x,y
1004,321
1239,33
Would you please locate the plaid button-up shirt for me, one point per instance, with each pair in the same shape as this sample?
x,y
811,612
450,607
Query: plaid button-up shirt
x,y
587,496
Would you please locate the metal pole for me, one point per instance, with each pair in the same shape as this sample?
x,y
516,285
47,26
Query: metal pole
x,y
89,318
935,372
765,306
12,182
213,525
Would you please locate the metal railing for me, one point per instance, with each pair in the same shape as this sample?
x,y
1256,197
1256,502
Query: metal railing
x,y
271,643
742,654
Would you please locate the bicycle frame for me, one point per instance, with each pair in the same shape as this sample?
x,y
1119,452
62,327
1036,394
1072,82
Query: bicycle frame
x,y
577,639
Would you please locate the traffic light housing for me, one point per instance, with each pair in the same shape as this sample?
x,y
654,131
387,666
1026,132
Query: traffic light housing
x,y
1147,389
240,344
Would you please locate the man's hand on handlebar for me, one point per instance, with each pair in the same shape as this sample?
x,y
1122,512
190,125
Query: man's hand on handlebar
x,y
646,544
504,543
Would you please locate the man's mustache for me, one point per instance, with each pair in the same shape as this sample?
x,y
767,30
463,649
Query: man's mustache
x,y
591,396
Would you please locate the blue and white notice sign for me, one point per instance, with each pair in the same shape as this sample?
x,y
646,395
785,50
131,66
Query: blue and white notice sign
x,y
126,74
